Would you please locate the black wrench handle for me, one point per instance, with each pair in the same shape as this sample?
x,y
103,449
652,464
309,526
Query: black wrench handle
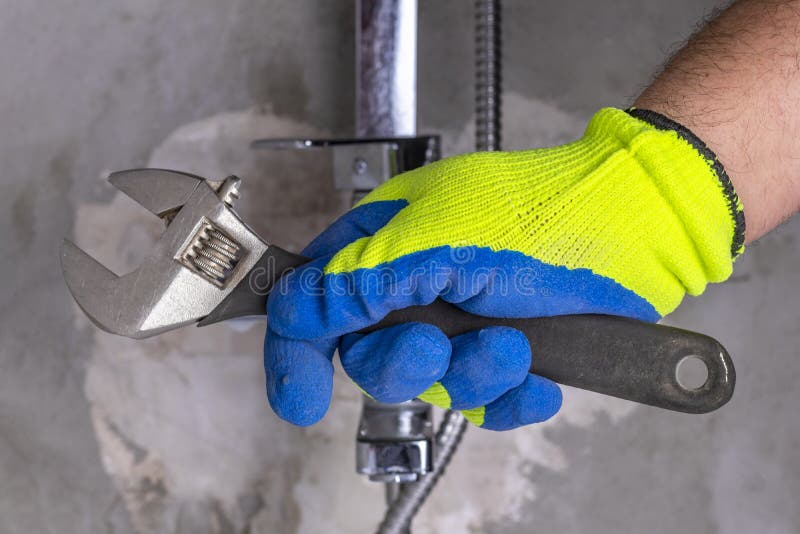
x,y
607,354
612,355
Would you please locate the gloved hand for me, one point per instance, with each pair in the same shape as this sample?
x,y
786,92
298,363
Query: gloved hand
x,y
624,221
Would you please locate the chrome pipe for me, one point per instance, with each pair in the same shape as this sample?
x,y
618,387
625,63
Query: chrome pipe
x,y
386,68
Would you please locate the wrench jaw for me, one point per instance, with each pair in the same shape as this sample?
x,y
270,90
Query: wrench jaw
x,y
159,191
88,280
104,297
185,277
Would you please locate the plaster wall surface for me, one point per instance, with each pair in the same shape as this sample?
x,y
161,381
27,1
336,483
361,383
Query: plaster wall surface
x,y
173,434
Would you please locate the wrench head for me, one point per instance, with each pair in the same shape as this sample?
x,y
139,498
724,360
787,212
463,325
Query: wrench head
x,y
204,253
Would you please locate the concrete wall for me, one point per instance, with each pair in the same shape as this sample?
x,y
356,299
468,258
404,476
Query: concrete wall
x,y
103,434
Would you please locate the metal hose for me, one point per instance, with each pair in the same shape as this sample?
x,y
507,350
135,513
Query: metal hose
x,y
398,517
488,104
488,97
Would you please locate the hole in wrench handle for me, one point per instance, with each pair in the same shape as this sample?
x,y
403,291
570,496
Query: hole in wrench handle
x,y
612,355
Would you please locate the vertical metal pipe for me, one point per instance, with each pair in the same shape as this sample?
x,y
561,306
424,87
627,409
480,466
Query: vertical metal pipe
x,y
488,105
386,107
402,511
386,68
386,88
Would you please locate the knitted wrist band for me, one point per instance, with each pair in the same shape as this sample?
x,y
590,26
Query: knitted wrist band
x,y
661,122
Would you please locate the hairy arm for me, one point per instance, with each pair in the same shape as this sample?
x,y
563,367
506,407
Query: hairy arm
x,y
736,85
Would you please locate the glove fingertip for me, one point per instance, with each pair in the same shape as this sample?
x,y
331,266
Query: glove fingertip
x,y
299,378
511,347
485,365
536,400
397,363
296,403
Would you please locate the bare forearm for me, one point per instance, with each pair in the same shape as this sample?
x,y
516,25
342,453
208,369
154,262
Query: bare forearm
x,y
736,85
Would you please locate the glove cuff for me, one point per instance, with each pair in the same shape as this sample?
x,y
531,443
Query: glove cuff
x,y
662,122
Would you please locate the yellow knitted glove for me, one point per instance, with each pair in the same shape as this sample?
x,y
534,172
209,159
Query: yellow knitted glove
x,y
624,221
633,203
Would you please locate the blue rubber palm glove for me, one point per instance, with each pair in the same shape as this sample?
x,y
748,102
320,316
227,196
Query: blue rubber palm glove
x,y
624,221
483,373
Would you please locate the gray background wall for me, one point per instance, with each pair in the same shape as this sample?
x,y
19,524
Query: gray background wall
x,y
101,434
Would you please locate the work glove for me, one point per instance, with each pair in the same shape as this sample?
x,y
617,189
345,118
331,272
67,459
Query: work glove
x,y
624,221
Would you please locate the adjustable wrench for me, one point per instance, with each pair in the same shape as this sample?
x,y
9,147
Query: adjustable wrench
x,y
209,266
